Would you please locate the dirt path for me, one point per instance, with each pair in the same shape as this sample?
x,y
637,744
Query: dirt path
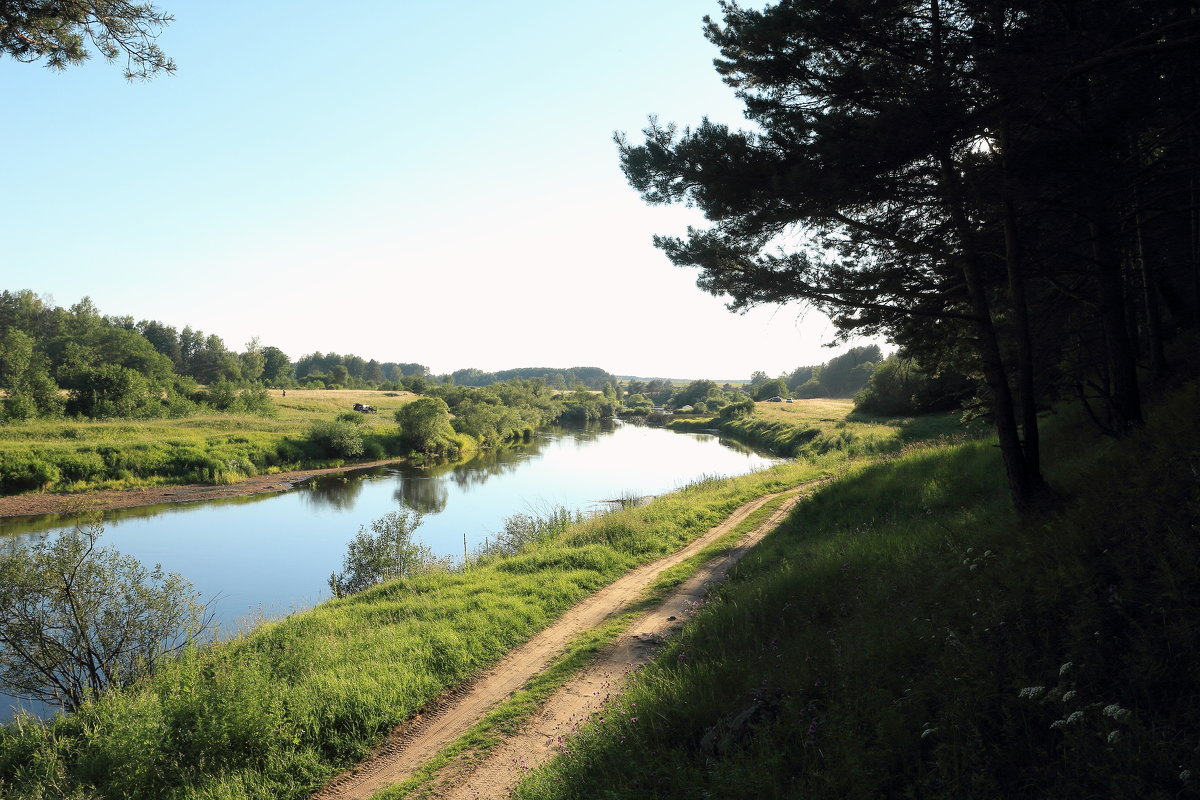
x,y
413,744
19,505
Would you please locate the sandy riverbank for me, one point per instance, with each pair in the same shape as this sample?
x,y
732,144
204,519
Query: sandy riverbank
x,y
19,505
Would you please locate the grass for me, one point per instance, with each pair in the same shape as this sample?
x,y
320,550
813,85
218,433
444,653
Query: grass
x,y
818,427
508,718
905,635
68,455
275,713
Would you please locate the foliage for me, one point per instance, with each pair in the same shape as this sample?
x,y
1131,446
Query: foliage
x,y
425,426
32,30
899,386
1002,222
588,377
904,634
384,553
111,391
336,438
76,620
773,388
583,407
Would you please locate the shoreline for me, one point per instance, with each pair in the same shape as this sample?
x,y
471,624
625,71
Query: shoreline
x,y
37,503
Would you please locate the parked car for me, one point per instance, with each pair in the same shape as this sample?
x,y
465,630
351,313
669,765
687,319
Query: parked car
x,y
775,399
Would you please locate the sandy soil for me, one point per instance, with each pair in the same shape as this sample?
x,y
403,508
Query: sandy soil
x,y
413,744
18,505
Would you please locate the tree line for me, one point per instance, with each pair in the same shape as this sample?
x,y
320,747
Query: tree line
x,y
1005,189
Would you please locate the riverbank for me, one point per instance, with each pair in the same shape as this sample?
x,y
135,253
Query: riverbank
x,y
905,634
20,505
282,710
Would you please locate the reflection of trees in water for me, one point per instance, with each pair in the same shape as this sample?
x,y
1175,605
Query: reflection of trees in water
x,y
745,449
339,490
425,494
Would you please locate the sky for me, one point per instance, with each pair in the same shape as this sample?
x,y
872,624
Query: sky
x,y
405,180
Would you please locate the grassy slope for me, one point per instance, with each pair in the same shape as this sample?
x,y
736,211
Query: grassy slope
x,y
903,635
816,427
215,447
275,713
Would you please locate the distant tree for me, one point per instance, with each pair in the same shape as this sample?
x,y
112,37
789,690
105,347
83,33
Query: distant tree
x,y
842,376
340,375
900,386
425,426
213,361
165,340
59,31
16,352
111,390
253,361
76,620
772,388
694,392
800,376
277,367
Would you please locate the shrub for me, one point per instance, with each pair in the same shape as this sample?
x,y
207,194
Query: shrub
x,y
385,552
336,439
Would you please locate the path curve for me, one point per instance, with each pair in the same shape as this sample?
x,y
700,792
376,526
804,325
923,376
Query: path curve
x,y
418,741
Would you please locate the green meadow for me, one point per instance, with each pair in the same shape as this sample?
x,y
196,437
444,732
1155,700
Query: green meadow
x,y
75,455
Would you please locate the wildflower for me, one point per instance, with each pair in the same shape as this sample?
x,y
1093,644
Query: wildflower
x,y
1069,696
1065,668
1031,692
1116,712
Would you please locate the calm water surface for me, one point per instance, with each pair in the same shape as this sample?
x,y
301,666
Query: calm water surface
x,y
267,555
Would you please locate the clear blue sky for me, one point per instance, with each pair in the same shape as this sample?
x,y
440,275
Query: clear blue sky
x,y
407,181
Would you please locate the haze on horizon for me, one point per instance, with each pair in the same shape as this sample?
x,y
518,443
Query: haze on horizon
x,y
433,184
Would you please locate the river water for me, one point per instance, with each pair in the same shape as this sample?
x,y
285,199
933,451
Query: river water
x,y
264,556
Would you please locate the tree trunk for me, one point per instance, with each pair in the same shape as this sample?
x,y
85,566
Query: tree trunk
x,y
1026,486
1124,396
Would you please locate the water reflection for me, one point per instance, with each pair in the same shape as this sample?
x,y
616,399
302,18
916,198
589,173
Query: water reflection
x,y
425,494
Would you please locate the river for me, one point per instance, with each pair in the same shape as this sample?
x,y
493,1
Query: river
x,y
265,556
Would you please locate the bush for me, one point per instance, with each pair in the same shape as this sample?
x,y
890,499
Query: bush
x,y
336,439
20,473
385,552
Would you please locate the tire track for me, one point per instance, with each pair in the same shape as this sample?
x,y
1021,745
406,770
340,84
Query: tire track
x,y
455,712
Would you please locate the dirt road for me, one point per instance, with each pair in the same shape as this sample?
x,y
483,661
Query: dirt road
x,y
418,741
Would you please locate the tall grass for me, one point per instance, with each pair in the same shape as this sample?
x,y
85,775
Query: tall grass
x,y
904,635
276,712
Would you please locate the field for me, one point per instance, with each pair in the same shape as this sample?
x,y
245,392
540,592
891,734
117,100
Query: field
x,y
77,455
820,426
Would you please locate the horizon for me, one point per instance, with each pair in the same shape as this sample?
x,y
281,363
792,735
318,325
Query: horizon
x,y
451,203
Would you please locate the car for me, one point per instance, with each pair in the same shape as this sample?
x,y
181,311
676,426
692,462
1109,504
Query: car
x,y
775,399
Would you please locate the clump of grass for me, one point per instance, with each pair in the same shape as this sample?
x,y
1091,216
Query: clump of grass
x,y
906,635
